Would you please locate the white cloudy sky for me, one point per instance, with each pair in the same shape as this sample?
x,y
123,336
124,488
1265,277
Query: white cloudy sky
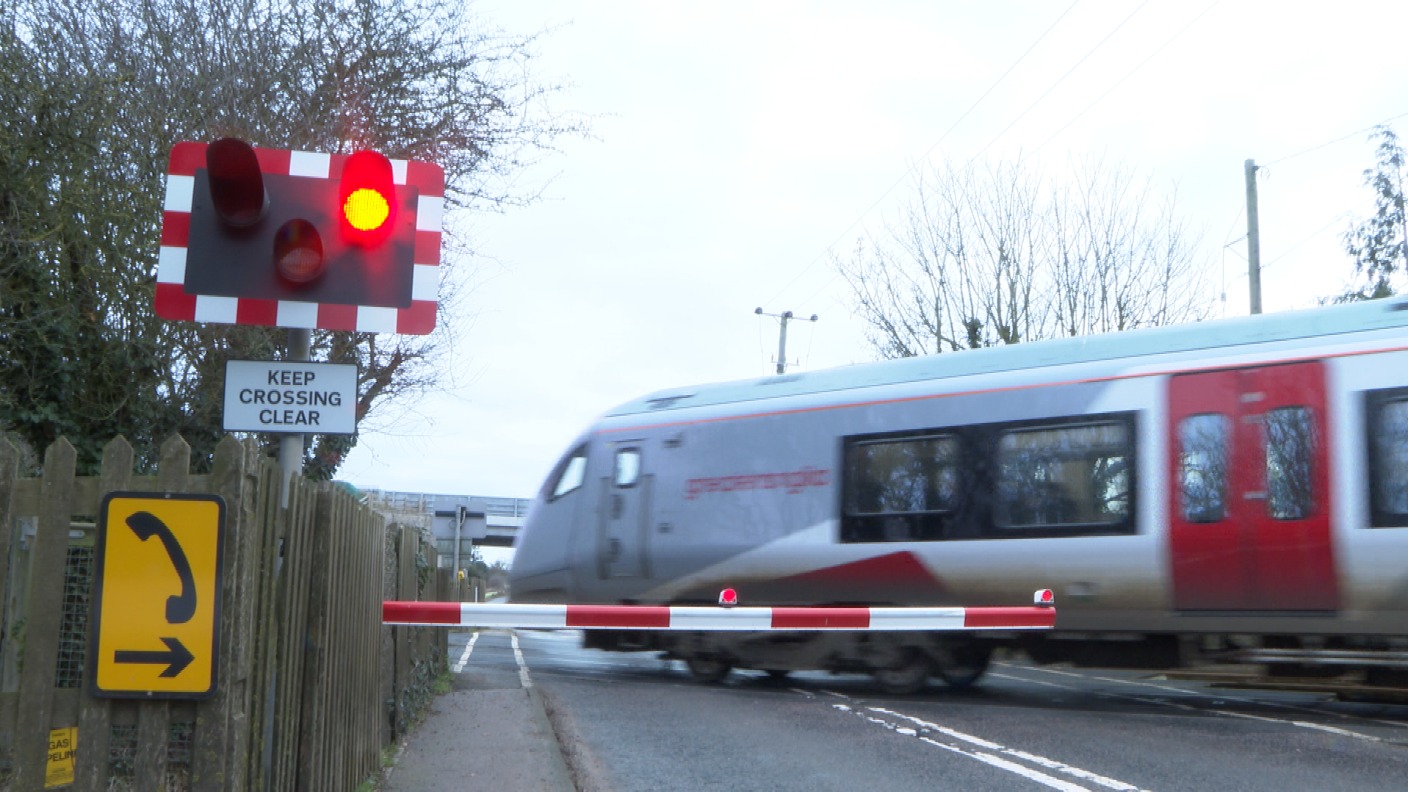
x,y
737,144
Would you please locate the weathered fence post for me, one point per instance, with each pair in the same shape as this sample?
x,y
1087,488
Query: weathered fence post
x,y
9,474
41,634
220,743
95,714
290,620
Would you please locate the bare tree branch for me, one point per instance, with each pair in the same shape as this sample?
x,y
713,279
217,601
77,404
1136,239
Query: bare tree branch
x,y
997,254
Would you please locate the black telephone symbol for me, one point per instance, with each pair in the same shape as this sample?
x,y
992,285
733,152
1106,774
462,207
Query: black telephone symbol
x,y
180,608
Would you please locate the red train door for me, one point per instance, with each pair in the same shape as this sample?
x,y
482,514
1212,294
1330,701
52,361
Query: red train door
x,y
1249,508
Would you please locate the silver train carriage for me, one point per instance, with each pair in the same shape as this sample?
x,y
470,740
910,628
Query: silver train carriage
x,y
1227,491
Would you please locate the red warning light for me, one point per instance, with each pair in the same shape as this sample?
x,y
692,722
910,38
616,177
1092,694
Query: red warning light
x,y
728,598
367,198
1045,597
236,183
298,252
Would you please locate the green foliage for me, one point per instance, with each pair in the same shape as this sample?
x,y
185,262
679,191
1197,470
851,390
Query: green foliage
x,y
96,94
1379,244
418,693
425,573
75,357
444,683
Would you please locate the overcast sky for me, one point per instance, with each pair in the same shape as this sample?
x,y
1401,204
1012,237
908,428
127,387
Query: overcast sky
x,y
737,145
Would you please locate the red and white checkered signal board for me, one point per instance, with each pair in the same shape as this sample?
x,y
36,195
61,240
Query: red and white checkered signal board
x,y
175,300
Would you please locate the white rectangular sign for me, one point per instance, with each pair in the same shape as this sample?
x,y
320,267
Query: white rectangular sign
x,y
292,397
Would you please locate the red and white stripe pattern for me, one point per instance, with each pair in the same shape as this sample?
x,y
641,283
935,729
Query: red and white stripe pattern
x,y
174,302
704,618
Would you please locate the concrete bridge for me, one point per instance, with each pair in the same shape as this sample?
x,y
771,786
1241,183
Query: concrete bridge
x,y
471,519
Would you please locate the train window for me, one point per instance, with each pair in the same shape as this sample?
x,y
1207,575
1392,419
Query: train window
x,y
1290,447
1388,460
627,467
898,489
1202,467
1063,476
571,472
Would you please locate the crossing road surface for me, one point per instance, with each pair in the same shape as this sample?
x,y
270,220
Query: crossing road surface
x,y
633,722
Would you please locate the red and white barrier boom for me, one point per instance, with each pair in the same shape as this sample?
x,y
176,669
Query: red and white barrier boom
x,y
1040,616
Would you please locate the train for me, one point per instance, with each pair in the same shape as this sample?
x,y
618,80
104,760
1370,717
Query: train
x,y
1233,491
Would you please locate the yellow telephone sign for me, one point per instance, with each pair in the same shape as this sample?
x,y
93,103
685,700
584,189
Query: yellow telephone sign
x,y
156,621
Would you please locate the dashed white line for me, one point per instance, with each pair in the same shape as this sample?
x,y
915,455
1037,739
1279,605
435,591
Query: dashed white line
x,y
1049,764
517,656
464,657
1335,730
989,752
1011,767
522,666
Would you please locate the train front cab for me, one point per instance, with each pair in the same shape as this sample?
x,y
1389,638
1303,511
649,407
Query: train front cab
x,y
542,559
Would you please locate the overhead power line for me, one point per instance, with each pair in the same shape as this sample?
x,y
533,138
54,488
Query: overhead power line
x,y
1061,79
1355,133
1127,75
927,151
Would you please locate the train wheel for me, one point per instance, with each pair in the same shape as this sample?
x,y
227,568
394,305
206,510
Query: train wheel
x,y
961,665
707,669
910,675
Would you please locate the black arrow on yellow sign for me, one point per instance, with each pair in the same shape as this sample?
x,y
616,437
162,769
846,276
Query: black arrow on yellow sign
x,y
176,656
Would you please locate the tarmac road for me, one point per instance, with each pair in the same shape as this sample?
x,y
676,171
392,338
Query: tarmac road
x,y
590,721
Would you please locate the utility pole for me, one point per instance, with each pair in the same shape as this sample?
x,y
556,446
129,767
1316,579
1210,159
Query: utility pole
x,y
784,318
1253,240
300,343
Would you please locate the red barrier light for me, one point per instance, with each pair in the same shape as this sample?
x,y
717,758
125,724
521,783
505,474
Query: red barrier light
x,y
236,183
367,198
298,252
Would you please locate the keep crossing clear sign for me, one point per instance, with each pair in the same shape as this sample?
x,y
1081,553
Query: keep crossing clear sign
x,y
290,396
156,625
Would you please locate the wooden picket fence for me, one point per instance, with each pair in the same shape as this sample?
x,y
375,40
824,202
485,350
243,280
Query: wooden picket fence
x,y
311,687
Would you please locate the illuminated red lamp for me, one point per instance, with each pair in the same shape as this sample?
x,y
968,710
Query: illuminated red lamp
x,y
728,598
1045,598
366,198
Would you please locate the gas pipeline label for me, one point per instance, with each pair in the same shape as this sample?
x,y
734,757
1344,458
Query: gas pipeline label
x,y
294,397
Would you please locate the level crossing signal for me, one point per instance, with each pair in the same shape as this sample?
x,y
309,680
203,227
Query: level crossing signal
x,y
296,239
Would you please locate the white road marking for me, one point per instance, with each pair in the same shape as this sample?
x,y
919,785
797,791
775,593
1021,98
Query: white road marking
x,y
1012,767
1335,730
989,752
522,666
464,657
